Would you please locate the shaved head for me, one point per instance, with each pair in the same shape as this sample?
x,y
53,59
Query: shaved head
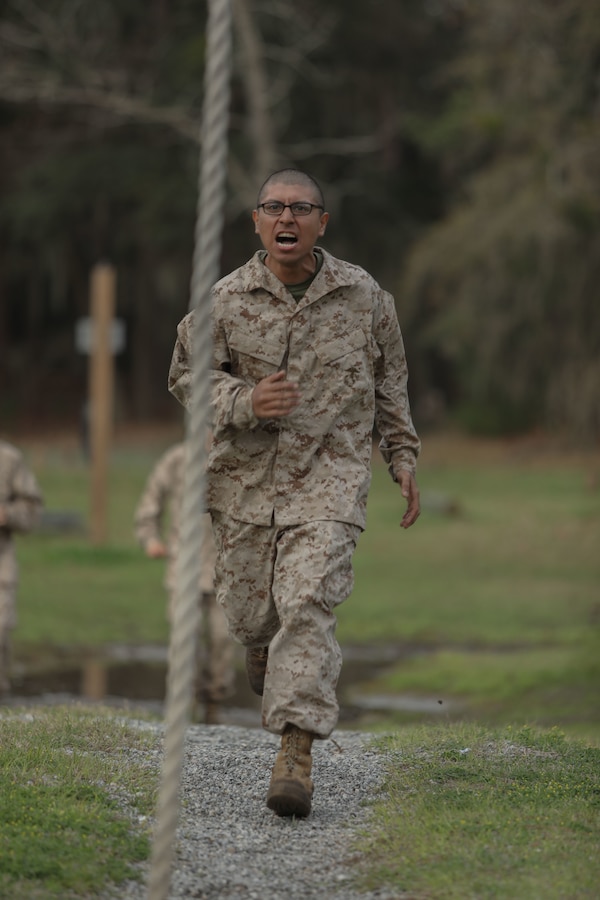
x,y
295,177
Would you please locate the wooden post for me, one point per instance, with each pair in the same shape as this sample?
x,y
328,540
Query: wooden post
x,y
94,680
101,394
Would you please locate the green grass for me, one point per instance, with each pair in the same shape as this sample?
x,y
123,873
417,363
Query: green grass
x,y
73,802
543,685
501,597
500,603
75,593
518,564
465,812
477,814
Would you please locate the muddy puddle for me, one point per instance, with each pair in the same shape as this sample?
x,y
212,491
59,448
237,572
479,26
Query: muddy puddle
x,y
134,677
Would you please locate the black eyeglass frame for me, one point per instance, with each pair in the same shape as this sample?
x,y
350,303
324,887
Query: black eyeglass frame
x,y
281,206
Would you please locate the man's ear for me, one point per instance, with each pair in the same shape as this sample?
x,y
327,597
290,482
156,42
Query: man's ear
x,y
255,220
324,221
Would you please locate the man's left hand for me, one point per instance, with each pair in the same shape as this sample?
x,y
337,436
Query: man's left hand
x,y
410,491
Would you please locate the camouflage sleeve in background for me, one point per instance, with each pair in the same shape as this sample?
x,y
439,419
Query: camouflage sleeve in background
x,y
180,370
20,495
161,496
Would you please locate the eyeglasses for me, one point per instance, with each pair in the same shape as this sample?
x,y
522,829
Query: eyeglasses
x,y
276,207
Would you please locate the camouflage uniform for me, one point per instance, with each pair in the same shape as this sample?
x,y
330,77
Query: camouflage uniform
x,y
163,491
292,479
21,503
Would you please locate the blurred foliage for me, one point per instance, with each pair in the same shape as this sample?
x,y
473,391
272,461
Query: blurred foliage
x,y
457,142
504,287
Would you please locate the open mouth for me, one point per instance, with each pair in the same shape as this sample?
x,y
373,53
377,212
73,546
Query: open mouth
x,y
286,239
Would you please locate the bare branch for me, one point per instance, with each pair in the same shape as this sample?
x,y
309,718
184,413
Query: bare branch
x,y
260,125
124,107
16,37
358,145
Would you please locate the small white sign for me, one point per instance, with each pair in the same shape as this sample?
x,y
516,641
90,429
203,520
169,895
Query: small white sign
x,y
84,335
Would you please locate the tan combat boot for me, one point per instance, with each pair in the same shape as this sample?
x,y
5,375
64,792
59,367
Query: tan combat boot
x,y
256,668
212,713
291,788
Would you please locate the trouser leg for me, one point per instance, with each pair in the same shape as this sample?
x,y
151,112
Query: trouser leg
x,y
243,578
215,645
8,620
313,575
280,587
215,649
4,664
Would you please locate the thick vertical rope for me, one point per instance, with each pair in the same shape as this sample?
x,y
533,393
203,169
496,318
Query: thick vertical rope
x,y
205,271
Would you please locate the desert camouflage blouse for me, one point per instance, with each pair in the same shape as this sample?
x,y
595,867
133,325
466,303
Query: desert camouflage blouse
x,y
342,345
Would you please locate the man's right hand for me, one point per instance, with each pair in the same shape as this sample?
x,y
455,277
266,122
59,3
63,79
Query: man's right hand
x,y
274,397
155,549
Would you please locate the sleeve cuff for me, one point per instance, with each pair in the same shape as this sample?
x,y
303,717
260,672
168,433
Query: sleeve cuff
x,y
243,414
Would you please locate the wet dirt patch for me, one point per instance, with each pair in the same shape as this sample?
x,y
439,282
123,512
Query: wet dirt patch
x,y
135,676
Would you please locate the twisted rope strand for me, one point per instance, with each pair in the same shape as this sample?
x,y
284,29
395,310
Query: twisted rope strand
x,y
205,271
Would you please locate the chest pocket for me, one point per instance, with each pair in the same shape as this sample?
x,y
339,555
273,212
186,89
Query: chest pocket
x,y
342,350
253,358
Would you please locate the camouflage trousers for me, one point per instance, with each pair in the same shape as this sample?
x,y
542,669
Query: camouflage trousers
x,y
279,587
215,673
8,620
215,662
8,606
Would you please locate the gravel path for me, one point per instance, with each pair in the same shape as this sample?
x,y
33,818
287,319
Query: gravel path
x,y
229,845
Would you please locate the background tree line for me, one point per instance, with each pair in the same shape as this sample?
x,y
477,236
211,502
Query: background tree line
x,y
458,142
